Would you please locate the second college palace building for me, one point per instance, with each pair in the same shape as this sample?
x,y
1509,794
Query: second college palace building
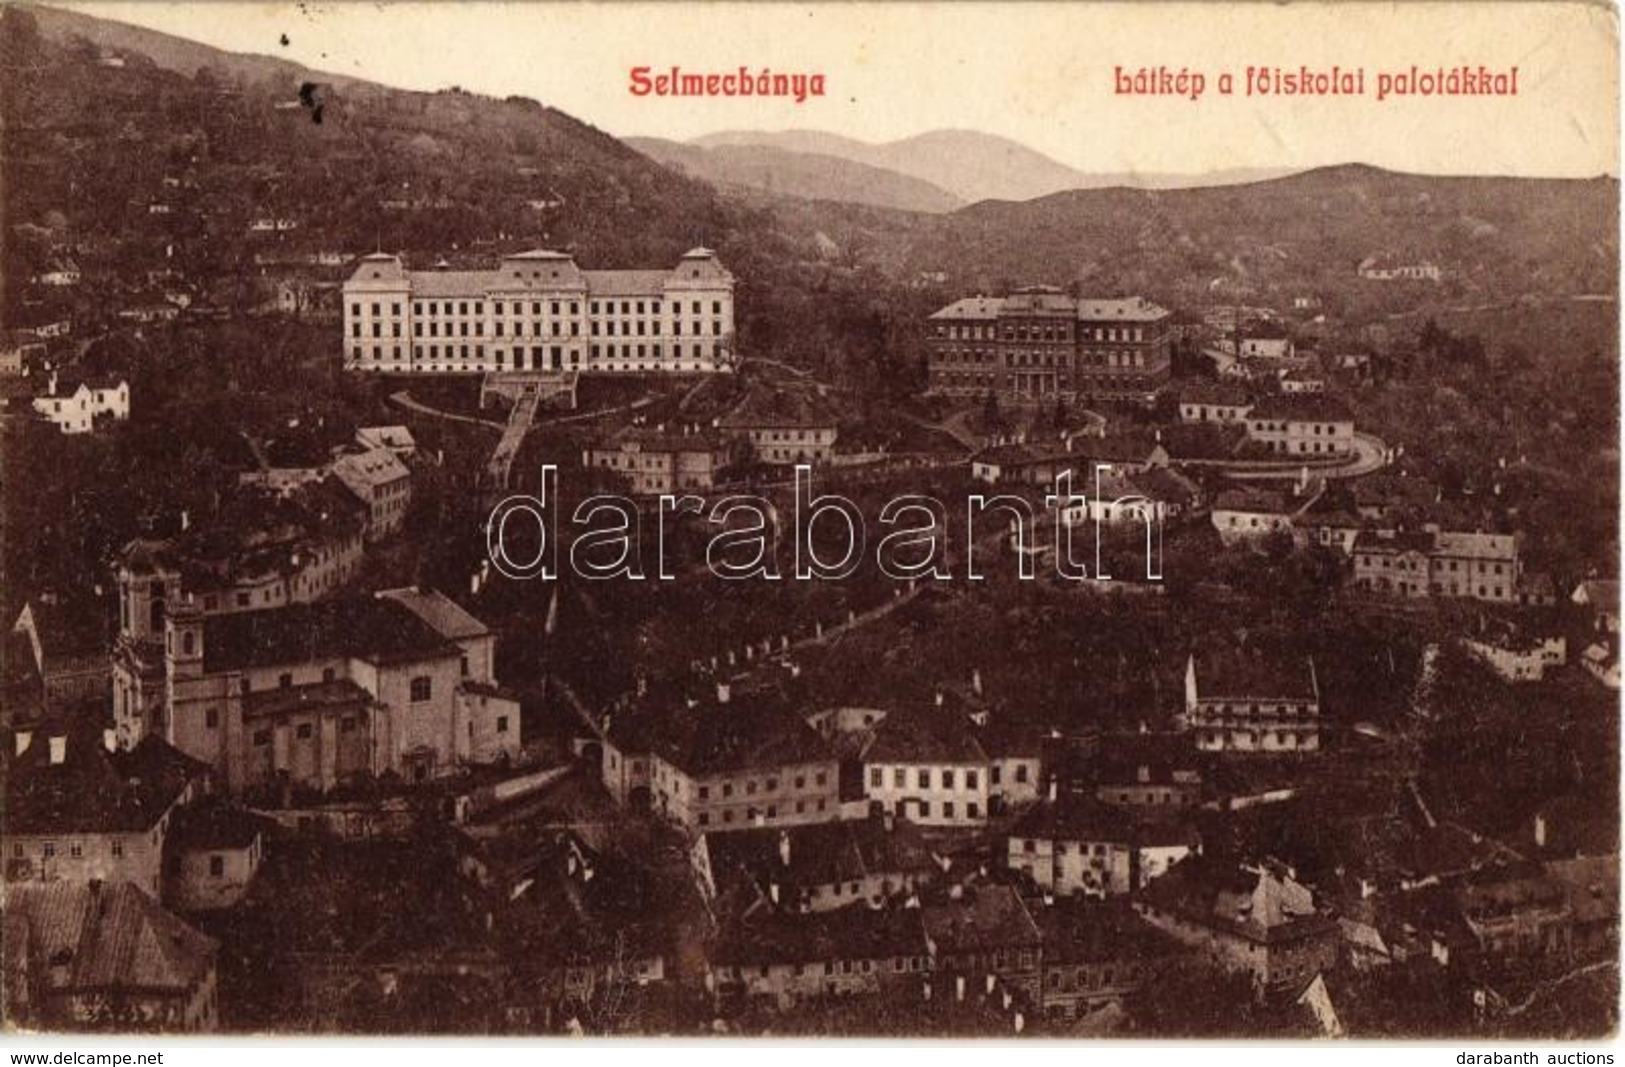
x,y
538,311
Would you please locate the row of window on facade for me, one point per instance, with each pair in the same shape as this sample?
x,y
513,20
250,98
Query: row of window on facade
x,y
769,785
1256,709
947,776
348,724
557,330
770,812
624,351
1042,333
1483,567
76,849
461,307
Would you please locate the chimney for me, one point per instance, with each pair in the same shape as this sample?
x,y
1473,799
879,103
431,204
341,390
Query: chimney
x,y
59,750
959,987
773,891
784,848
110,740
1054,788
186,520
1540,830
23,739
976,680
724,691
990,980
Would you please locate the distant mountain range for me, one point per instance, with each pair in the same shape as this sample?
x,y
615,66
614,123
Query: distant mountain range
x,y
964,166
812,175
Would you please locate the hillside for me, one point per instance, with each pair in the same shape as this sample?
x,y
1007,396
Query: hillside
x,y
142,170
1496,239
811,175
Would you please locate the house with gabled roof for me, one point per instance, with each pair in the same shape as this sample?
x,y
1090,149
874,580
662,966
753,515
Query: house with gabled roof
x,y
1258,921
104,956
1252,699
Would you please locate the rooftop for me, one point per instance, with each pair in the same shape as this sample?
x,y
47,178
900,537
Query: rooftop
x,y
92,790
985,917
856,932
1254,672
380,630
1302,407
1264,905
930,735
111,937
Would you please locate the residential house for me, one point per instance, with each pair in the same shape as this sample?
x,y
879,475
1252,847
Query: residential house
x,y
655,461
737,764
383,483
1257,921
80,812
1436,562
579,922
213,852
18,352
851,951
1076,845
68,640
398,439
74,402
1266,341
1513,651
104,956
1219,401
816,867
1095,953
932,766
1388,268
781,428
1252,700
983,939
1302,425
1247,514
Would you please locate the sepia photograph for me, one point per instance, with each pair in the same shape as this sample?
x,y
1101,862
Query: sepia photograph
x,y
1070,523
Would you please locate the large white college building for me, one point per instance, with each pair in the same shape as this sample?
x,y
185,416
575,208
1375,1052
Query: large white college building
x,y
539,311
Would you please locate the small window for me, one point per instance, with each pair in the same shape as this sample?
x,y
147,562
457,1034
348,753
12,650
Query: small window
x,y
502,724
304,731
211,718
217,866
422,689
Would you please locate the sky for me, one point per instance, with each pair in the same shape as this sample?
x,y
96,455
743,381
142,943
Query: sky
x,y
1040,73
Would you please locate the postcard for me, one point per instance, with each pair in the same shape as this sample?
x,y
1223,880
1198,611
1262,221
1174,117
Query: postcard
x,y
887,520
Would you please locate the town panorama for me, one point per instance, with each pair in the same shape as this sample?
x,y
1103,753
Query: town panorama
x,y
293,745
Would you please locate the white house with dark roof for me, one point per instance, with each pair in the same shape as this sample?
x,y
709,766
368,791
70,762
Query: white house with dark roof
x,y
75,402
539,311
380,481
1252,700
